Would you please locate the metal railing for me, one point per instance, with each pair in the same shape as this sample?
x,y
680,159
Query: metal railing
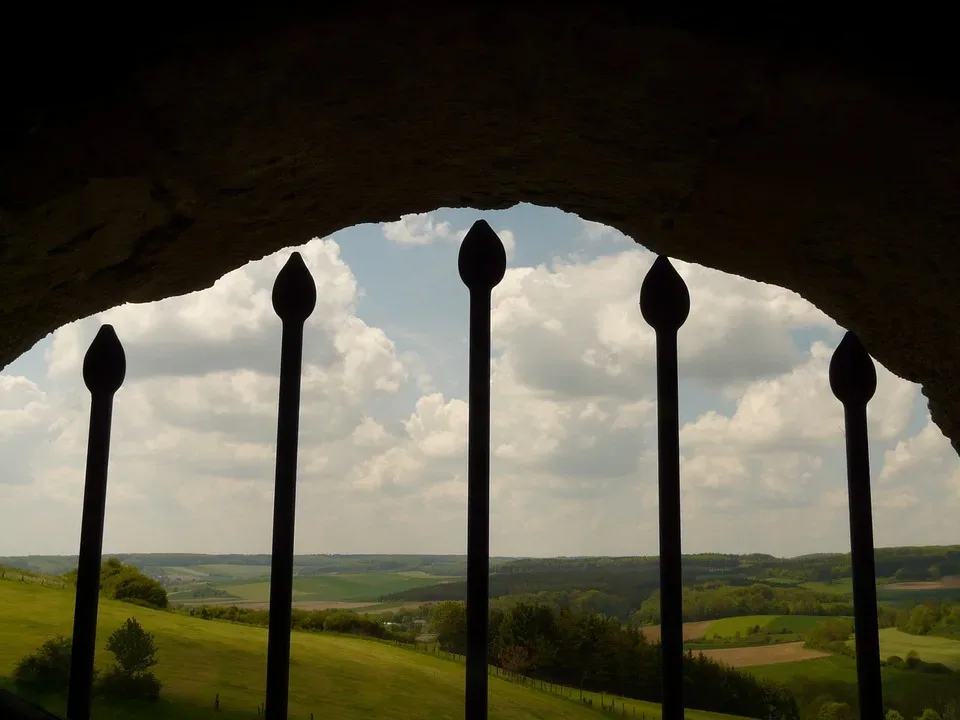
x,y
664,304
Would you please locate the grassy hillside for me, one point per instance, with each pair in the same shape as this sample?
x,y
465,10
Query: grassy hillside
x,y
337,678
905,690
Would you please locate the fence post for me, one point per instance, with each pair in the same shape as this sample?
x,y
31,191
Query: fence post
x,y
665,305
294,298
482,263
104,368
853,380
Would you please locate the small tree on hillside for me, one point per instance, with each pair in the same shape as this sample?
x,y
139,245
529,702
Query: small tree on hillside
x,y
134,648
136,652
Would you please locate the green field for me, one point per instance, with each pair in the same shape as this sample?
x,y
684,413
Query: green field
x,y
834,667
897,684
347,587
929,648
729,627
336,678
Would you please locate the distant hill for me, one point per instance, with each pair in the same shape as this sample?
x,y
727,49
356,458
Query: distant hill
x,y
620,584
156,563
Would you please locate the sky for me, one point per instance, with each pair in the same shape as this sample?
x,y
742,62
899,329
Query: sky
x,y
384,416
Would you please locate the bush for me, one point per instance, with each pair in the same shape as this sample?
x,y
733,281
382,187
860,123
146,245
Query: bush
x,y
46,670
122,686
895,661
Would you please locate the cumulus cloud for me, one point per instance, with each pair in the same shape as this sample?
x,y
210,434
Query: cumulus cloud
x,y
575,328
383,448
425,229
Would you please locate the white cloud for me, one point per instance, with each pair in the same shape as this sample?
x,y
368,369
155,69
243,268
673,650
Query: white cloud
x,y
425,229
418,229
383,448
576,328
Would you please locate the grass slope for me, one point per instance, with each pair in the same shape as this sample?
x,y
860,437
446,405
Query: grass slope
x,y
336,678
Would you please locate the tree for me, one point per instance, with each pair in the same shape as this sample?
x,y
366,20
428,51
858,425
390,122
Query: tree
x,y
449,621
515,659
929,714
136,652
134,648
893,715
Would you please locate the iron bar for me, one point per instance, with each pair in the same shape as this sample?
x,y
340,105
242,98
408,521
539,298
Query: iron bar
x,y
104,369
294,298
665,305
853,379
482,263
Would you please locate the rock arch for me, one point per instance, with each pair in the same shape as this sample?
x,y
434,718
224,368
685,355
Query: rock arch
x,y
145,164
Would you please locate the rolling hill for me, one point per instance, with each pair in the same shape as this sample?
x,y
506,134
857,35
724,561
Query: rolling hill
x,y
334,677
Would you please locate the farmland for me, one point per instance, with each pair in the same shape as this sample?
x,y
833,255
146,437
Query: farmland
x,y
930,649
763,654
739,631
331,676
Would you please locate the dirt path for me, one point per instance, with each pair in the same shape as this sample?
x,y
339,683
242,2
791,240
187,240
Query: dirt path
x,y
763,654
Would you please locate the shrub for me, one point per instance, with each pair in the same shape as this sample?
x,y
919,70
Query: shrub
x,y
120,685
895,661
46,670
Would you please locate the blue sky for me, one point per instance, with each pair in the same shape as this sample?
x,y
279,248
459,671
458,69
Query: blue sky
x,y
383,442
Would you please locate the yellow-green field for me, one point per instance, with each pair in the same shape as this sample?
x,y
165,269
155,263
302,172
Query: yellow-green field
x,y
336,678
930,649
729,627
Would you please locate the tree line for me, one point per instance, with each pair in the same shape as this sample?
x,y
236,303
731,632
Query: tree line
x,y
628,581
125,582
715,600
601,654
334,621
561,646
932,617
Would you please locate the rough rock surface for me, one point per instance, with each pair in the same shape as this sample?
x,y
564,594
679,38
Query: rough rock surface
x,y
139,165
